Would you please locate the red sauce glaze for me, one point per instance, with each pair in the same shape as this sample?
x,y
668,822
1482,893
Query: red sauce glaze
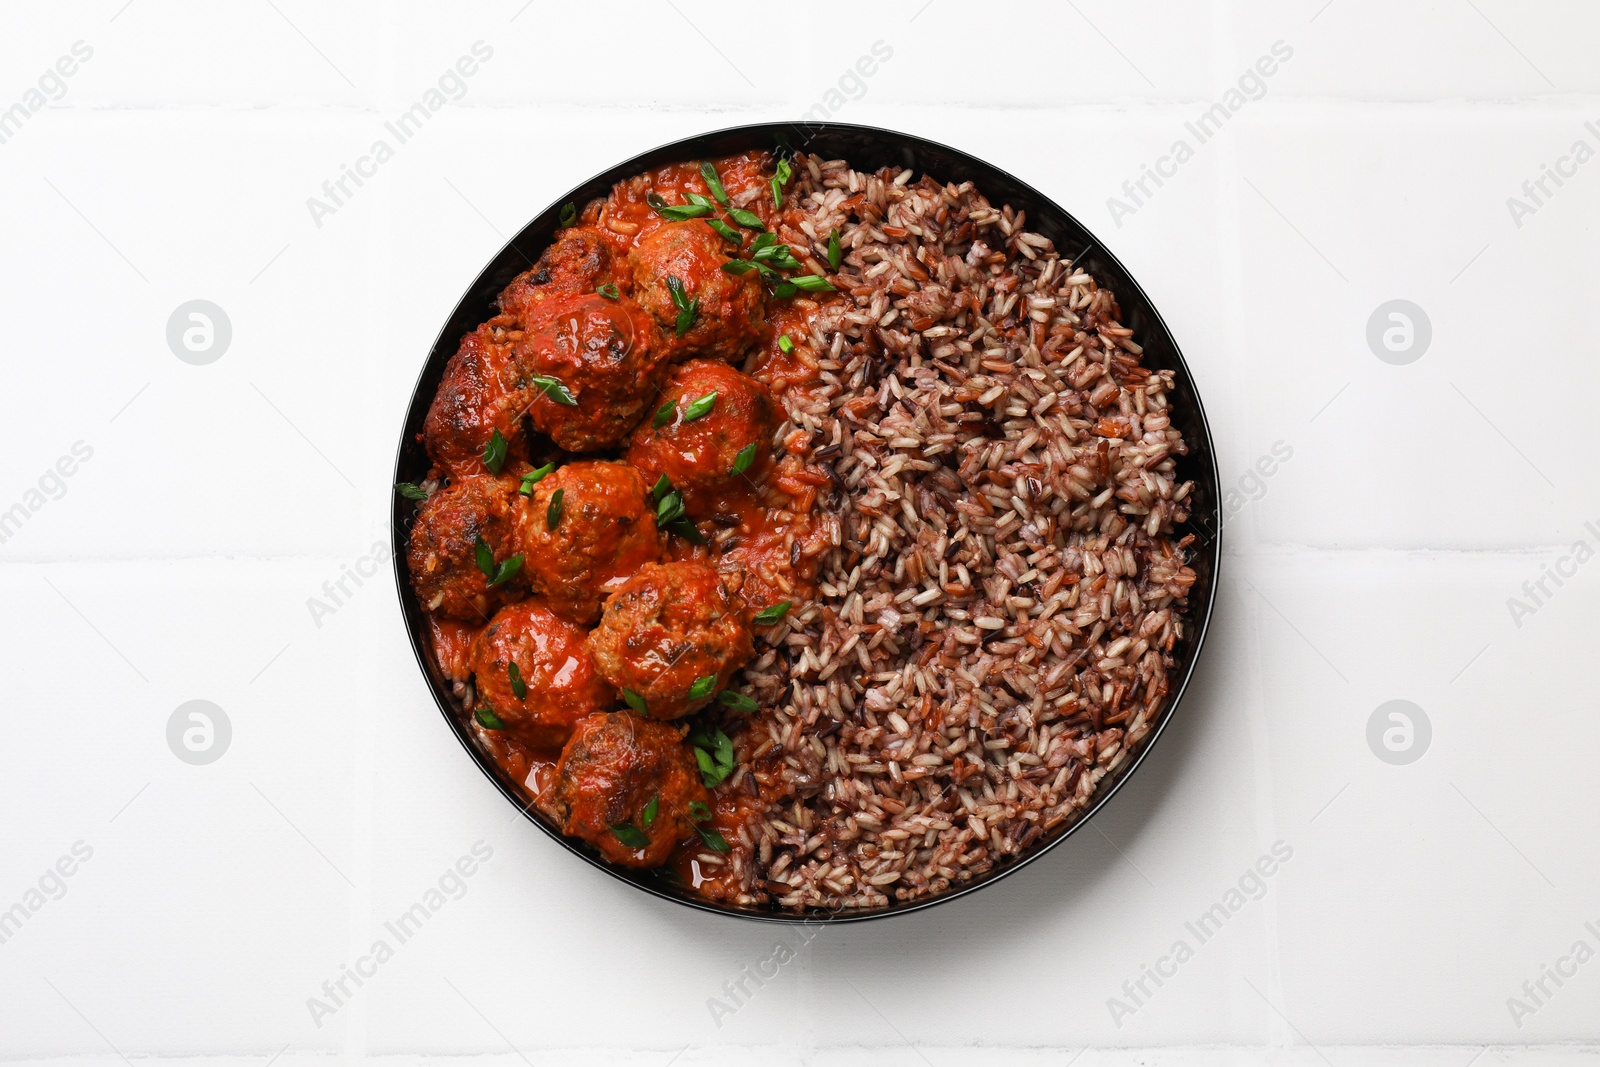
x,y
763,531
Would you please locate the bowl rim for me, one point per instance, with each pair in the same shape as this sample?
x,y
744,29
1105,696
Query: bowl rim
x,y
1128,292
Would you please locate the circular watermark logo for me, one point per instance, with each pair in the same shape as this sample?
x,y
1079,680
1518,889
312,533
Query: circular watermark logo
x,y
199,732
1399,732
1399,332
198,332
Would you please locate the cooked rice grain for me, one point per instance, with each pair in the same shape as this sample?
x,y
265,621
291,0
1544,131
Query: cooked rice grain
x,y
994,624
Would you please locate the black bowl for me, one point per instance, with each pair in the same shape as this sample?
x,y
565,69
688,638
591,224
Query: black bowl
x,y
866,148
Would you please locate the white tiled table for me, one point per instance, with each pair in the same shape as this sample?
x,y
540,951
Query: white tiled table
x,y
1376,563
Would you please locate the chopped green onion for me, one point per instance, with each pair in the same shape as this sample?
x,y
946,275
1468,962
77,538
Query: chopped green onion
x,y
676,212
765,239
687,530
713,770
700,407
686,317
569,214
670,509
812,283
699,811
410,491
748,219
552,514
635,701
768,616
784,344
714,183
714,841
779,180
703,686
736,701
725,230
662,487
494,453
518,686
835,253
648,816
608,291
555,389
739,266
699,201
488,719
784,290
497,574
687,309
746,456
630,835
534,477
664,414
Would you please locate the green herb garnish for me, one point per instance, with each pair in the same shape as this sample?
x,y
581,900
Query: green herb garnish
x,y
686,530
748,219
496,573
676,212
518,686
703,686
494,453
555,389
410,491
687,309
835,253
768,616
779,180
534,477
784,290
608,291
552,514
728,232
488,719
569,213
746,456
662,487
812,283
714,183
630,835
635,701
737,701
699,811
739,266
714,841
648,816
700,407
670,509
784,344
714,753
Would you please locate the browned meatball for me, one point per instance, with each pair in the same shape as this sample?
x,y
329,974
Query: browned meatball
x,y
556,677
728,318
673,634
443,553
581,549
601,361
700,456
480,393
578,262
612,769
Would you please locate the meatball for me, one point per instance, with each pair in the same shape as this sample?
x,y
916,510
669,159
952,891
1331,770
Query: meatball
x,y
699,456
602,361
729,315
480,393
611,771
578,262
582,545
443,552
674,635
554,673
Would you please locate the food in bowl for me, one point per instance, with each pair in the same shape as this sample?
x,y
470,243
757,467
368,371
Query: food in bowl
x,y
810,537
